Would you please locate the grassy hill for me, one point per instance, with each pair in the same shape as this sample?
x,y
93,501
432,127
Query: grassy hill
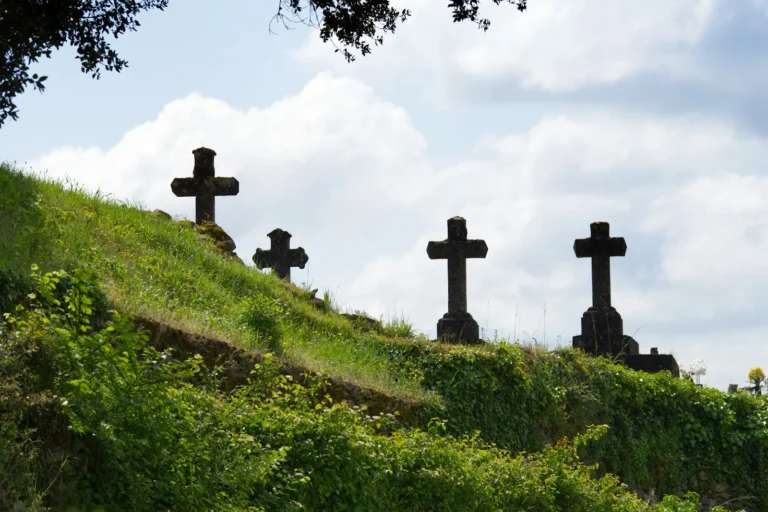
x,y
291,406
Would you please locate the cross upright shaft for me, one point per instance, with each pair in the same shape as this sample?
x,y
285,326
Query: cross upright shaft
x,y
600,247
205,205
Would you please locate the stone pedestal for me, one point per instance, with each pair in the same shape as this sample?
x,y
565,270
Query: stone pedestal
x,y
652,363
602,333
458,328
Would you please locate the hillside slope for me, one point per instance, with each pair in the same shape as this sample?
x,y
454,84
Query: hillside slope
x,y
663,435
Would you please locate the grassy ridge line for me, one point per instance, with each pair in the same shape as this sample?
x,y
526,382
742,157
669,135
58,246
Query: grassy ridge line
x,y
156,269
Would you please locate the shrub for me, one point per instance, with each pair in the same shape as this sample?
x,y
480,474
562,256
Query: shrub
x,y
13,286
144,438
263,316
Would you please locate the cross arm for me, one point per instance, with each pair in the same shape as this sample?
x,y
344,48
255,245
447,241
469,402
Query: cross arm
x,y
263,258
589,247
188,187
299,257
469,248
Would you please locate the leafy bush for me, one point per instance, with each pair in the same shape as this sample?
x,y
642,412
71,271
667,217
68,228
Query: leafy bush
x,y
263,317
143,438
666,435
20,454
13,286
147,439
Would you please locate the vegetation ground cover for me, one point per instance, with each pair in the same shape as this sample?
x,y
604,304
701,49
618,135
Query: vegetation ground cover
x,y
131,433
481,409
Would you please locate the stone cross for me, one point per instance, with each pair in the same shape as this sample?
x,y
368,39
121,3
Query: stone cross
x,y
457,324
280,257
204,186
600,247
602,329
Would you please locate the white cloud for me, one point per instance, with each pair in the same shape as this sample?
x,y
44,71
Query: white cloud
x,y
351,178
552,46
761,5
719,236
563,47
331,118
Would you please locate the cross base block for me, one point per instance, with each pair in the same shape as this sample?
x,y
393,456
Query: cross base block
x,y
602,333
458,328
652,363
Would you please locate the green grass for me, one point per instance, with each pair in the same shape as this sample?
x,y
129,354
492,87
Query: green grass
x,y
161,270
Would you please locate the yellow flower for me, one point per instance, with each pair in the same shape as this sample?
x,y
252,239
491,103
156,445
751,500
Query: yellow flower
x,y
756,375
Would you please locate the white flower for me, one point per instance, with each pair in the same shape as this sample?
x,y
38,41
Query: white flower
x,y
697,367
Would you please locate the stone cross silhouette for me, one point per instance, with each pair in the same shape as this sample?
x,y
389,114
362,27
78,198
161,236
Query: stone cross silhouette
x,y
457,323
280,257
204,186
600,247
602,328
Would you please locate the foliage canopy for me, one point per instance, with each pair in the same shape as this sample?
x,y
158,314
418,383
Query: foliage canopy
x,y
32,29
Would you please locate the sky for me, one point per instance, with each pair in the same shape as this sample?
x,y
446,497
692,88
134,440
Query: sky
x,y
648,115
